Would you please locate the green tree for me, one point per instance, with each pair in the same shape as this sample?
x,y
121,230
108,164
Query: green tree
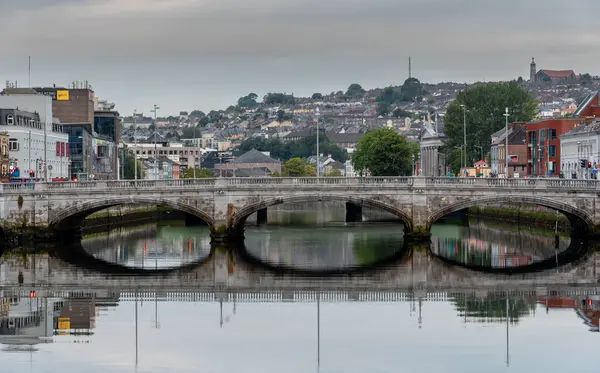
x,y
248,101
302,148
389,95
129,167
278,98
280,115
201,173
355,91
317,96
383,152
412,90
485,107
197,114
297,167
383,108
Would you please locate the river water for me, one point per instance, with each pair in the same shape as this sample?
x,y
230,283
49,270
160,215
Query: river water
x,y
433,311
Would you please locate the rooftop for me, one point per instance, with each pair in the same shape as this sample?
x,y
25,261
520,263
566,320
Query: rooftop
x,y
254,156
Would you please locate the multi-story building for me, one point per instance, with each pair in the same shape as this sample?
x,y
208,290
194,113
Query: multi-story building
x,y
543,145
185,156
517,151
580,151
38,147
80,145
71,105
4,157
108,125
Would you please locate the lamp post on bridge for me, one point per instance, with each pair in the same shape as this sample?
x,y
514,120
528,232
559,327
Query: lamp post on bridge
x,y
506,115
135,148
317,115
464,155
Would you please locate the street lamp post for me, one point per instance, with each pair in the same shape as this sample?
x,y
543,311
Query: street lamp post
x,y
154,110
464,160
135,148
506,115
539,160
317,115
194,151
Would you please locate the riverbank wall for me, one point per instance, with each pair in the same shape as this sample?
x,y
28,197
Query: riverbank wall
x,y
129,216
515,214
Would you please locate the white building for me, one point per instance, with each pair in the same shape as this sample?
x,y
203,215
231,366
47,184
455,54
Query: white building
x,y
26,136
432,161
580,146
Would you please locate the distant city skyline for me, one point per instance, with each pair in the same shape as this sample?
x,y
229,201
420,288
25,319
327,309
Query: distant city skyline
x,y
205,54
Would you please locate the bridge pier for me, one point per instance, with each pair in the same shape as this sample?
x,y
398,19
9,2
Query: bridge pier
x,y
261,216
419,235
354,212
223,235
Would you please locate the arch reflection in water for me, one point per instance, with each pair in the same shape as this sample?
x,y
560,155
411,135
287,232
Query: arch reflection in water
x,y
484,246
151,246
331,248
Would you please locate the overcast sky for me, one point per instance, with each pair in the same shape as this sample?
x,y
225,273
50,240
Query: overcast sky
x,y
204,54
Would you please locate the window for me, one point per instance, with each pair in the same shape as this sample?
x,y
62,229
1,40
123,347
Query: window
x,y
552,134
13,145
552,150
10,120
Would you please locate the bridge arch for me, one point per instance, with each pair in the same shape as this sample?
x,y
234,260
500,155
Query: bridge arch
x,y
73,215
579,219
237,223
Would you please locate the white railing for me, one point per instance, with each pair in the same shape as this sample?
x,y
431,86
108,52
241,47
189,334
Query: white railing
x,y
402,182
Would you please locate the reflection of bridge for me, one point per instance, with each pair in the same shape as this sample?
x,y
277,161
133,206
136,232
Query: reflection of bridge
x,y
223,273
226,203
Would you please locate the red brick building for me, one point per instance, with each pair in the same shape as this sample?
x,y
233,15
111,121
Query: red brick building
x,y
543,143
590,106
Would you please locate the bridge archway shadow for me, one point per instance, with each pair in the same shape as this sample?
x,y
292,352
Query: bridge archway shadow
x,y
70,220
239,219
76,255
581,222
577,252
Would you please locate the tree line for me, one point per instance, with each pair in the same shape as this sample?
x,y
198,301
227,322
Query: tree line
x,y
302,148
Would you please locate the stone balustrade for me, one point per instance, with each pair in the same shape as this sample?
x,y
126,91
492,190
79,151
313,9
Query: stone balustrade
x,y
407,182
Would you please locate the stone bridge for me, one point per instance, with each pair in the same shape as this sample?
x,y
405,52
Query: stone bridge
x,y
225,203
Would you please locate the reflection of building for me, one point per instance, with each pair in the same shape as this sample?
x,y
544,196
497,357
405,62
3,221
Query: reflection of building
x,y
587,309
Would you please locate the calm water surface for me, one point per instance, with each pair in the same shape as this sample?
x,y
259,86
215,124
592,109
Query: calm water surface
x,y
227,316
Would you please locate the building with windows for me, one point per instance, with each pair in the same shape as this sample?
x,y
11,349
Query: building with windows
x,y
517,151
38,147
543,145
550,76
80,145
579,149
108,125
4,157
